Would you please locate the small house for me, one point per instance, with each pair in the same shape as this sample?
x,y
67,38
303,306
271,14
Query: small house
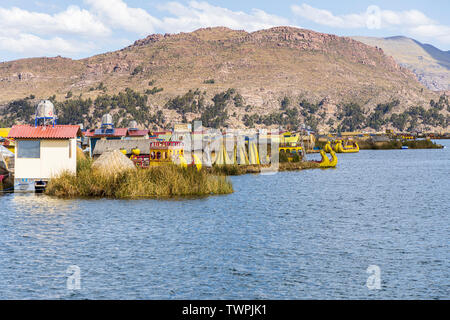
x,y
134,133
160,136
43,152
95,135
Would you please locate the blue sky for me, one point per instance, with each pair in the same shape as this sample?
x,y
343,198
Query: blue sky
x,y
81,28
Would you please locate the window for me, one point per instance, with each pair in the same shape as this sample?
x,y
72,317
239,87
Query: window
x,y
70,149
29,149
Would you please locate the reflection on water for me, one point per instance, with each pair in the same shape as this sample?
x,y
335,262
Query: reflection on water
x,y
309,234
39,203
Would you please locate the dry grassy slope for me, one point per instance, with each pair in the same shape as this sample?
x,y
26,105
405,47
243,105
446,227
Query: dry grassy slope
x,y
264,66
431,65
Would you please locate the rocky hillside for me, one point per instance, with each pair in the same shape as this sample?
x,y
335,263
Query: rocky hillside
x,y
429,64
280,76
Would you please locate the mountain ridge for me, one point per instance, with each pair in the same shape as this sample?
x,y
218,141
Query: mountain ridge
x,y
265,66
430,64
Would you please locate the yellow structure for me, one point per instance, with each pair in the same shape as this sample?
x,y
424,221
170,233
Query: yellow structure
x,y
291,146
340,148
222,157
163,153
326,162
8,143
181,160
287,137
197,162
328,148
291,151
240,155
4,132
253,155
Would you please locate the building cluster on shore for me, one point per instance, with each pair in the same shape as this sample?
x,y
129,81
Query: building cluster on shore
x,y
32,154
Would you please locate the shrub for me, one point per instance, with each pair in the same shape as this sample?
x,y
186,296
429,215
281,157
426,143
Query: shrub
x,y
137,70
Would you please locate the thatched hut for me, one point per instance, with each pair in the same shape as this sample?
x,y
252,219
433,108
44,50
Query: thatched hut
x,y
112,162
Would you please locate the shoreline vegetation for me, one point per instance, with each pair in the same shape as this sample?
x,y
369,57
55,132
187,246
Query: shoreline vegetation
x,y
396,144
158,182
237,170
391,144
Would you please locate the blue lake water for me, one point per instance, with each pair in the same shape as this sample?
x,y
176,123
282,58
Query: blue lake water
x,y
293,235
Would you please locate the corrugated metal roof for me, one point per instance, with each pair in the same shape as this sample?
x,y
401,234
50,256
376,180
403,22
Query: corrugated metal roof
x,y
110,145
137,133
118,132
44,132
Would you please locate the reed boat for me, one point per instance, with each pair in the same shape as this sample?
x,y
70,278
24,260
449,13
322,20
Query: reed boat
x,y
341,148
328,148
325,162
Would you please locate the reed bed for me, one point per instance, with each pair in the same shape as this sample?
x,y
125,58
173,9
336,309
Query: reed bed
x,y
236,170
422,144
158,182
397,144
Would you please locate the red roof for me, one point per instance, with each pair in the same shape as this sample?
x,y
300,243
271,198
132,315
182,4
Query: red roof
x,y
44,132
118,132
137,133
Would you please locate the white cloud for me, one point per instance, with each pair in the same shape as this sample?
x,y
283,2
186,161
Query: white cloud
x,y
387,18
71,21
201,14
119,15
76,31
29,43
440,32
411,22
327,18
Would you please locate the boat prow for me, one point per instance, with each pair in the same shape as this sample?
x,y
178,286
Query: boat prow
x,y
326,162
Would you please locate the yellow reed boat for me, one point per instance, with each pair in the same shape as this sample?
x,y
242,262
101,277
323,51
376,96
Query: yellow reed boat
x,y
328,148
326,162
341,148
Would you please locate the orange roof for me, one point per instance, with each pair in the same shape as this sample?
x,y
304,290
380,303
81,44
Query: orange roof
x,y
44,132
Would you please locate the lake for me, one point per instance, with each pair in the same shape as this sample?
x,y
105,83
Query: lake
x,y
294,235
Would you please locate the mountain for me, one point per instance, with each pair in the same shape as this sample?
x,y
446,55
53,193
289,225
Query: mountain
x,y
279,76
429,64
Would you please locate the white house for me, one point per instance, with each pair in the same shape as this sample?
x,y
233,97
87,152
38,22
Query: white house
x,y
43,152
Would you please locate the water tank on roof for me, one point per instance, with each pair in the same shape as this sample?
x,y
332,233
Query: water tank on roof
x,y
107,120
45,113
133,124
45,109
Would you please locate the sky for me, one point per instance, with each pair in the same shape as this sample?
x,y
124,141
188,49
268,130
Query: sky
x,y
82,28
